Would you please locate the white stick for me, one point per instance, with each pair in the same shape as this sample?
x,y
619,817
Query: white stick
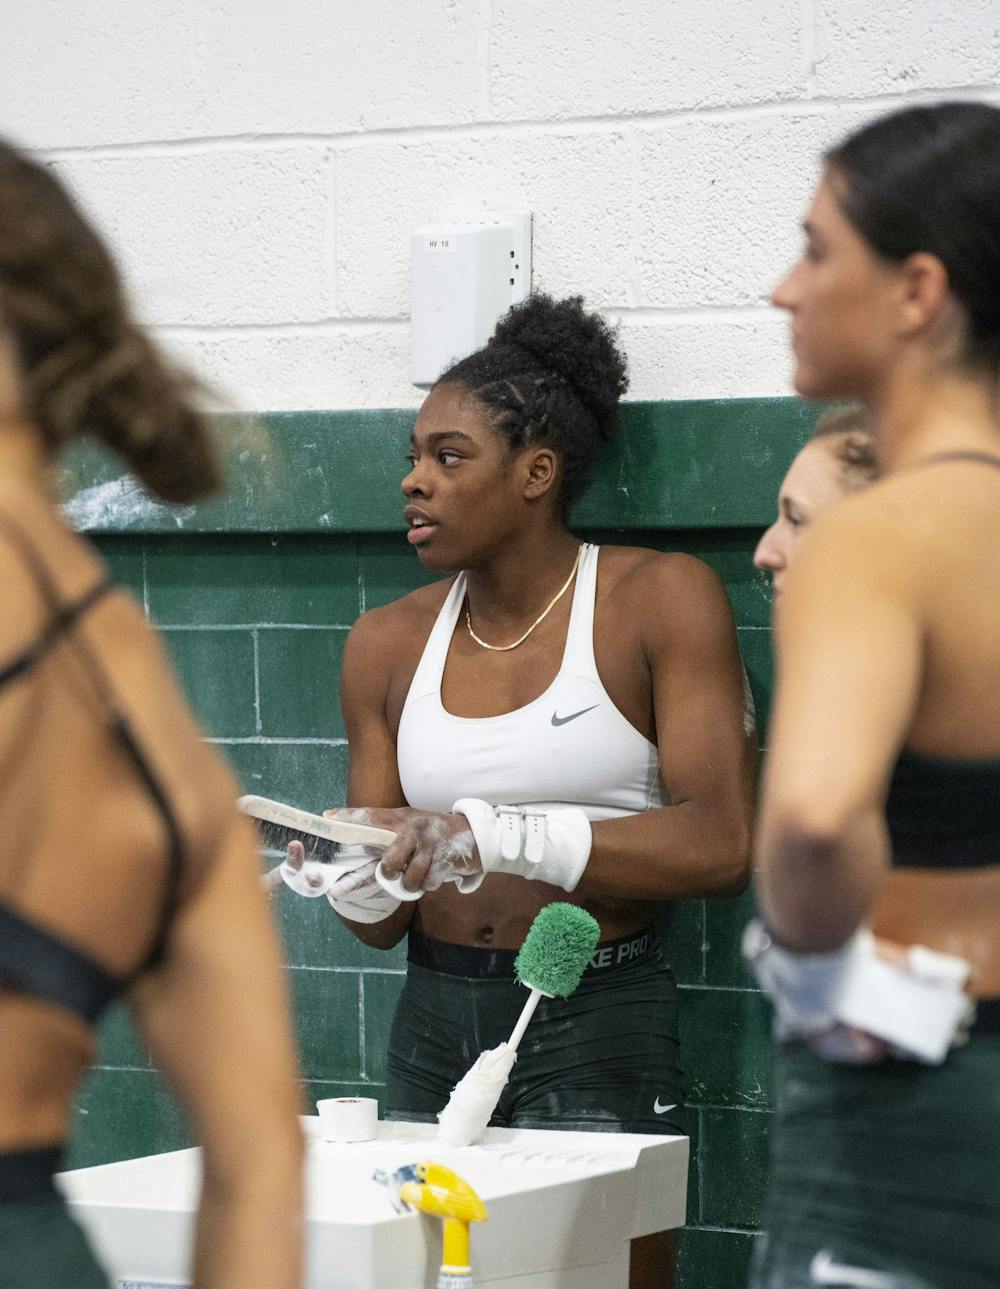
x,y
526,1014
475,1096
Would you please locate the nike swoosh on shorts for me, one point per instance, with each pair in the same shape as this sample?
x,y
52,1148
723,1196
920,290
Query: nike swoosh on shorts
x,y
662,1109
563,720
824,1271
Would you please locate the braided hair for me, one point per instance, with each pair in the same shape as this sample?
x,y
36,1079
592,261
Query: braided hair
x,y
552,373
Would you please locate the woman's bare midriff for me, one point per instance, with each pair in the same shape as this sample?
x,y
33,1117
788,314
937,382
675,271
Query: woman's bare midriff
x,y
42,1059
500,913
952,911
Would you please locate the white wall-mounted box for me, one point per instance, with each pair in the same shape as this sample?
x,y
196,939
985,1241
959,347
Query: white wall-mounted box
x,y
466,272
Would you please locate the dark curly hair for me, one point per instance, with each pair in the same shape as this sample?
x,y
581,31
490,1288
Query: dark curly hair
x,y
552,373
85,366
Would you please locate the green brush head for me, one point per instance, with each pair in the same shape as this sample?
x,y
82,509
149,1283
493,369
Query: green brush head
x,y
556,949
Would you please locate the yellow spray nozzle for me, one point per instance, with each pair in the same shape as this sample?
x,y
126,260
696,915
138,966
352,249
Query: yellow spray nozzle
x,y
443,1193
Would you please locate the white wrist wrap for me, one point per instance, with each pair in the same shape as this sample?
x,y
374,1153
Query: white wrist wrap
x,y
543,845
919,1008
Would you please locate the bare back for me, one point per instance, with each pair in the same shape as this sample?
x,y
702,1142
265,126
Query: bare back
x,y
85,853
893,644
957,715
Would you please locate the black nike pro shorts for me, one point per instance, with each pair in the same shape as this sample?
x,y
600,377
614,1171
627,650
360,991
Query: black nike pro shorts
x,y
603,1060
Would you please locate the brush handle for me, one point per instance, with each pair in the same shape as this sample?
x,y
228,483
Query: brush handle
x,y
336,830
527,1011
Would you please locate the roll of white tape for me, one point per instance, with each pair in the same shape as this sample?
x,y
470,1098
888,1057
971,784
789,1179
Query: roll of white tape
x,y
348,1118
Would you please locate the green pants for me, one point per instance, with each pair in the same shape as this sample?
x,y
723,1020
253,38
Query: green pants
x,y
41,1247
885,1176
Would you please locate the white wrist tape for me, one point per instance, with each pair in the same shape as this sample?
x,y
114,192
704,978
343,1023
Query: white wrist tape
x,y
543,845
919,1008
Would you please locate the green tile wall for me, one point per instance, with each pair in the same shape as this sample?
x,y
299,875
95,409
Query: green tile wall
x,y
255,594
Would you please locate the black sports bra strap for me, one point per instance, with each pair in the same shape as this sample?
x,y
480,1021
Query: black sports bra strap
x,y
63,617
42,964
984,458
60,622
175,842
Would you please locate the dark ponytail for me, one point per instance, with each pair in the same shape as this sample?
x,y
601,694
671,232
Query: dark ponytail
x,y
86,367
551,373
928,179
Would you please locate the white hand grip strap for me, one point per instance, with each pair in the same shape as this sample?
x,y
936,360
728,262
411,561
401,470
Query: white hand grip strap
x,y
366,904
919,1008
543,845
311,879
394,886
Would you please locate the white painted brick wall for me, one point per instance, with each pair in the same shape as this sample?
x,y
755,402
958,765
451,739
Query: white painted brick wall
x,y
260,166
217,238
577,182
632,57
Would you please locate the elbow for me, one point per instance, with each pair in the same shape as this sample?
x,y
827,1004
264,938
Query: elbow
x,y
733,864
809,835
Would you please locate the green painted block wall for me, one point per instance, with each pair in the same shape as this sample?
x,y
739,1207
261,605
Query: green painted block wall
x,y
254,598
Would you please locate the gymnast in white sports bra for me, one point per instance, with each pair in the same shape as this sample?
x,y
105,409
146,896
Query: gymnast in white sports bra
x,y
601,689
570,746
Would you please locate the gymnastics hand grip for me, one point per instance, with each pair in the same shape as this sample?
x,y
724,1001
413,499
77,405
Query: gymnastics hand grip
x,y
394,886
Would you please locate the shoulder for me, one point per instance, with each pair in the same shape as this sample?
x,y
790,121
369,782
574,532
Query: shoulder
x,y
653,582
671,605
873,540
391,635
407,615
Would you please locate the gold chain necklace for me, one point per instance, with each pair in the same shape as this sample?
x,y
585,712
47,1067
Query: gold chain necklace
x,y
541,618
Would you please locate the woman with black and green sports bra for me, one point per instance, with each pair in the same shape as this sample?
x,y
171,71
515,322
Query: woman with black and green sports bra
x,y
879,839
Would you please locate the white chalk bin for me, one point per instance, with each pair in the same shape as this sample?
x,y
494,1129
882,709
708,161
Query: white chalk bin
x,y
562,1208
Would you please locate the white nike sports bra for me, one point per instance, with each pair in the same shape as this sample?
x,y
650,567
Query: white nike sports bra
x,y
569,747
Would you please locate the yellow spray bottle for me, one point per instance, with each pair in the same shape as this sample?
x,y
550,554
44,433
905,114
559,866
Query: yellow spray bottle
x,y
430,1187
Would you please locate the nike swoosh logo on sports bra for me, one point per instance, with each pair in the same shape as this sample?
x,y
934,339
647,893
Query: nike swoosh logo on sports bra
x,y
563,720
824,1271
662,1109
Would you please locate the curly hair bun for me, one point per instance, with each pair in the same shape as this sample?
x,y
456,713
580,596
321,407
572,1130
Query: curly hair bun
x,y
582,347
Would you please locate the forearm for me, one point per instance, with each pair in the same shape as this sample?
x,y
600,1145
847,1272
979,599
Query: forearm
x,y
677,852
816,885
249,1227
